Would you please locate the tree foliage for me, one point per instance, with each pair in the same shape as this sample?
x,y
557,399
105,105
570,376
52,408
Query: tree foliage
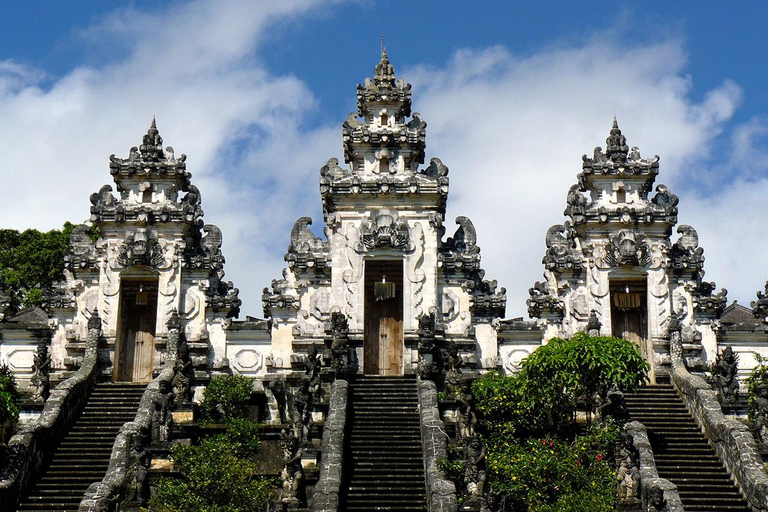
x,y
538,458
9,393
225,398
31,262
218,475
758,378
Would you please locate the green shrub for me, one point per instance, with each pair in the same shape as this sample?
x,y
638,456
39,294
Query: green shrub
x,y
225,398
758,378
218,475
9,393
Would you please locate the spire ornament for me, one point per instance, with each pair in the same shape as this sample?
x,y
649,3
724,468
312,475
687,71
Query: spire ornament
x,y
616,144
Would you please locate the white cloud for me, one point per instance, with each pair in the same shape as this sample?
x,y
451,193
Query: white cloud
x,y
513,129
196,66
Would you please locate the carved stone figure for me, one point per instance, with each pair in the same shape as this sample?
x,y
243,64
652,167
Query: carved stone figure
x,y
474,470
627,471
40,369
428,351
292,476
139,459
761,414
724,376
181,380
466,420
593,324
340,361
453,363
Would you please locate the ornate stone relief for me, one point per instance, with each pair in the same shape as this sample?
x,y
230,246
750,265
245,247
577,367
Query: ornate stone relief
x,y
542,301
307,253
686,257
415,274
625,248
561,252
81,252
460,252
384,229
354,270
141,248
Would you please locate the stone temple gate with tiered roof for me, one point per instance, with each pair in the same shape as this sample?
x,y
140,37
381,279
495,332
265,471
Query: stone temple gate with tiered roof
x,y
384,263
384,293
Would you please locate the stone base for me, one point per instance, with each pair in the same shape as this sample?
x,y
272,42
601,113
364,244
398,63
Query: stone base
x,y
630,506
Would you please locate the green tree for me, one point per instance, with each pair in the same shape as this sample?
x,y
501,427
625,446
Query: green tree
x,y
225,398
31,262
9,393
218,475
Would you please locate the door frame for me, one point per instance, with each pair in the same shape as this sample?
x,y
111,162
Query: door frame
x,y
129,281
372,270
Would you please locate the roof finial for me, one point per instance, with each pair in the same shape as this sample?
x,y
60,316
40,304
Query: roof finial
x,y
384,73
616,144
382,45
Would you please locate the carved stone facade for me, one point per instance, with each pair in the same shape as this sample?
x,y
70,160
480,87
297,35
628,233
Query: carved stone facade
x,y
154,257
383,261
615,269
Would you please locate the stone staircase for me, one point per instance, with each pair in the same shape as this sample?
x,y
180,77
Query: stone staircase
x,y
82,455
683,454
384,465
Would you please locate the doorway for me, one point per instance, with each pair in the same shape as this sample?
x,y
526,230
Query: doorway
x,y
136,339
383,329
629,311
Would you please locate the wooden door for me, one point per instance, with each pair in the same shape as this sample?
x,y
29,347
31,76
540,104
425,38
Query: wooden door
x,y
383,329
138,315
629,319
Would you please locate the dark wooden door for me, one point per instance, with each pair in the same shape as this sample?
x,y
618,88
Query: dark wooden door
x,y
138,312
629,319
383,326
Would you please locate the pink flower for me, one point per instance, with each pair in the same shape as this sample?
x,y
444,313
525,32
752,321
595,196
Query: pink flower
x,y
599,457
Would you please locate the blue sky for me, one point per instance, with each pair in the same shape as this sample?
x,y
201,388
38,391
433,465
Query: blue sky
x,y
513,92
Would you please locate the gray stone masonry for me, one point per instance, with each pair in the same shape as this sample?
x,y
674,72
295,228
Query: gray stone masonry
x,y
28,447
649,477
104,496
733,441
328,487
441,493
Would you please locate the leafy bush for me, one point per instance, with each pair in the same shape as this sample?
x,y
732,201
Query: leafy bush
x,y
219,475
584,366
9,393
538,459
758,378
225,398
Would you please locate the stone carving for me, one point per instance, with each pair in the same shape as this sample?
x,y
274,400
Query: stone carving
x,y
625,248
685,254
384,230
760,411
724,377
760,306
222,295
627,471
593,324
429,353
283,294
292,475
340,351
178,352
453,365
307,252
141,248
474,472
306,396
577,205
415,274
466,419
560,255
461,251
41,365
485,301
161,416
705,300
137,489
542,302
81,251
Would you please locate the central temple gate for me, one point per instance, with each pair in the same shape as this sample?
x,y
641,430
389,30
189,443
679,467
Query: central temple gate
x,y
629,312
136,340
383,349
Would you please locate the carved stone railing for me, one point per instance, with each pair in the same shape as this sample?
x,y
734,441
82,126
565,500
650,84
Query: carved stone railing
x,y
28,448
105,496
441,493
328,487
733,441
650,483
